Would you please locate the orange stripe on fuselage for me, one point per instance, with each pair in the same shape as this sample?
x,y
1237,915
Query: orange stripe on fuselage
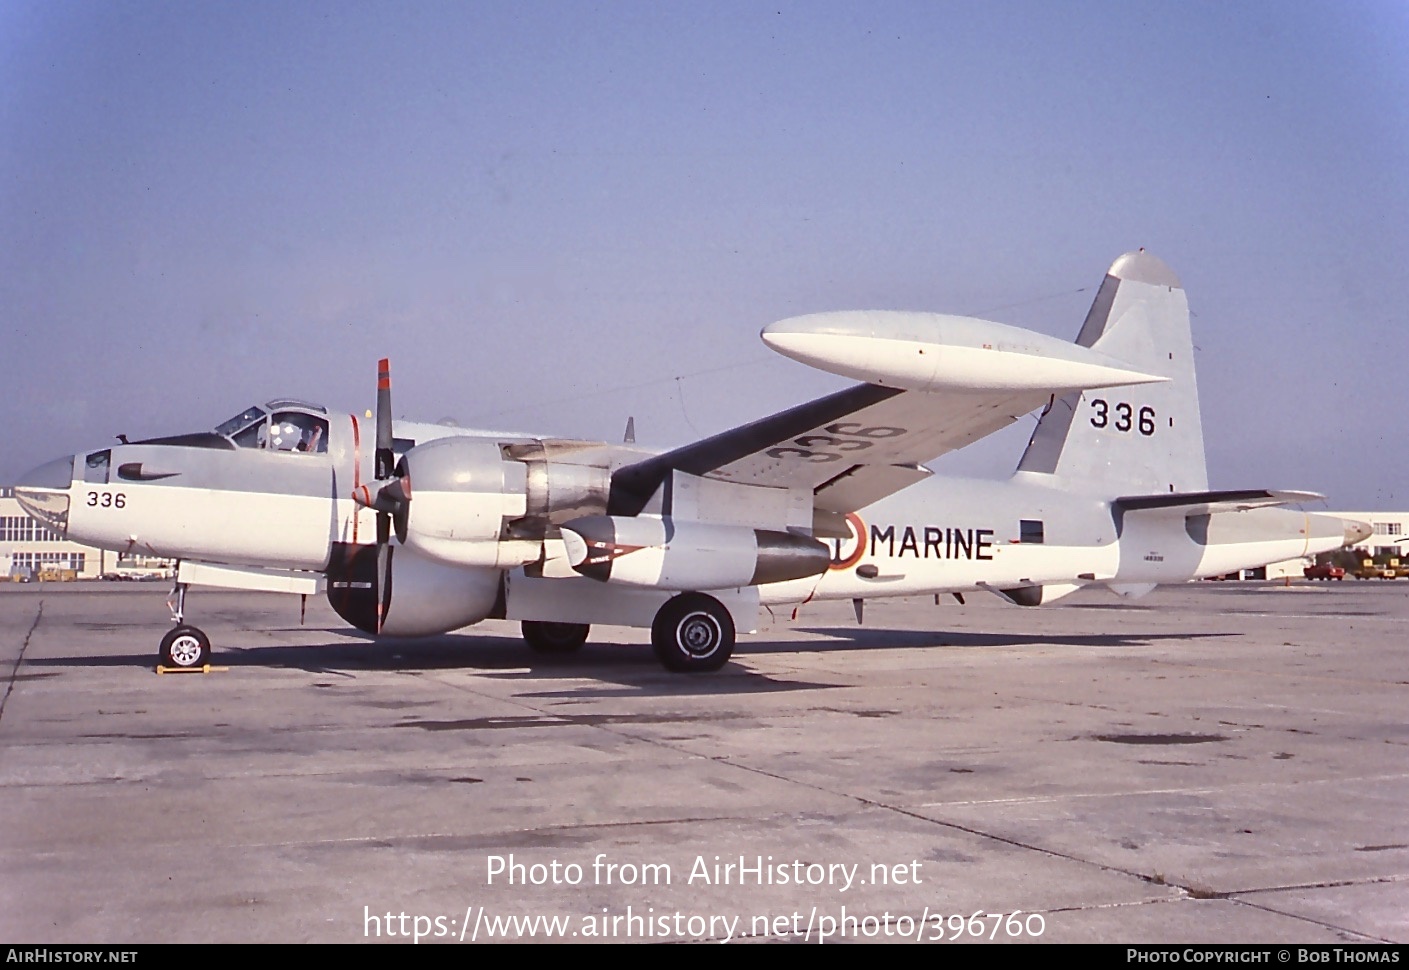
x,y
356,472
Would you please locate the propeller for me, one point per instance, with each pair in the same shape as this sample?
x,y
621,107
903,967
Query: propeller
x,y
390,495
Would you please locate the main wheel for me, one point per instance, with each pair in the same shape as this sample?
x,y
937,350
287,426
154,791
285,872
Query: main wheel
x,y
693,633
554,637
185,646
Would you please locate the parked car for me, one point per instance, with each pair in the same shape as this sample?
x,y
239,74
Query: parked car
x,y
1324,570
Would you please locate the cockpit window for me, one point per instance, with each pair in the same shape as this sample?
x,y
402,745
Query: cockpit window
x,y
301,430
240,422
291,403
251,437
296,431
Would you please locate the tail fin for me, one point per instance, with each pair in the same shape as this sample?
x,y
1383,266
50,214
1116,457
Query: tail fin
x,y
1130,440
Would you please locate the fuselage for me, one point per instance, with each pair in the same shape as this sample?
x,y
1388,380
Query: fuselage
x,y
955,534
273,488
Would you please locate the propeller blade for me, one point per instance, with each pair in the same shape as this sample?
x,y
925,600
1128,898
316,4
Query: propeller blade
x,y
383,502
384,455
383,553
401,515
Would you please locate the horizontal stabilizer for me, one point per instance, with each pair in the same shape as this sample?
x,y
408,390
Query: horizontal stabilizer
x,y
1208,503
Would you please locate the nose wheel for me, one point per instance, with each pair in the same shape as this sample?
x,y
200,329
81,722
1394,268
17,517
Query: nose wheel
x,y
184,647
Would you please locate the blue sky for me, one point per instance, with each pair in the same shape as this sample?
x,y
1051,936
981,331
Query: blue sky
x,y
554,215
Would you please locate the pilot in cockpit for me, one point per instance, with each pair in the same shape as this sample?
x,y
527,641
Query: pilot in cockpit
x,y
312,440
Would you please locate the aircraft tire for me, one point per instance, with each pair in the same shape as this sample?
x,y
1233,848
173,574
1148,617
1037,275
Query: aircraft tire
x,y
185,646
693,633
546,637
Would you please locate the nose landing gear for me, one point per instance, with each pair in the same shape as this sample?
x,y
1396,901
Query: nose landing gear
x,y
184,647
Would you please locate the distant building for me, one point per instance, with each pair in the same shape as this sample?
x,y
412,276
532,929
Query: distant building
x,y
1389,538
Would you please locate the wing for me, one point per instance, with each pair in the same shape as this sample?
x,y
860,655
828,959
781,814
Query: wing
x,y
934,383
850,448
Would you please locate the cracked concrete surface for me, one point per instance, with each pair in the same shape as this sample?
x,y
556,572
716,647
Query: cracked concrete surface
x,y
1216,763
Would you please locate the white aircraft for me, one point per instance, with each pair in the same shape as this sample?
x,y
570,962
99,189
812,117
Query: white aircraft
x,y
827,500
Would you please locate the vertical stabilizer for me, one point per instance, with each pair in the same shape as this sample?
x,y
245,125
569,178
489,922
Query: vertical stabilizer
x,y
1138,439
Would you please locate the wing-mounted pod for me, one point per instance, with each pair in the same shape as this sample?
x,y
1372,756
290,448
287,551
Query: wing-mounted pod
x,y
674,554
934,352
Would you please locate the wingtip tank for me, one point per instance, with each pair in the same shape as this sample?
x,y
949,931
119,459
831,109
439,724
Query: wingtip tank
x,y
931,352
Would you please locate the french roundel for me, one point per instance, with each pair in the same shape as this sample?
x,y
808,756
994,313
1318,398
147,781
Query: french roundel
x,y
848,552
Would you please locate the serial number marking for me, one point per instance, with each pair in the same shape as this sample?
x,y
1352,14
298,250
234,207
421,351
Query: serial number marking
x,y
107,500
840,438
1126,417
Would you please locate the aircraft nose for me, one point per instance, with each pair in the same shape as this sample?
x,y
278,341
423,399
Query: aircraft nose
x,y
1356,531
53,474
43,492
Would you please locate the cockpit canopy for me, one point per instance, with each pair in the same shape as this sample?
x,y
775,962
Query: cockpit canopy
x,y
284,425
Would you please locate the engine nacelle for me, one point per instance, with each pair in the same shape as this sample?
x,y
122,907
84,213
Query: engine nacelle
x,y
476,502
421,597
665,553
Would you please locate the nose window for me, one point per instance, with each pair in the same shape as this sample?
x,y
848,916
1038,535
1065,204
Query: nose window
x,y
95,467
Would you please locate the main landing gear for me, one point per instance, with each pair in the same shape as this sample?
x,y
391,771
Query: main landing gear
x,y
692,633
556,638
184,647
